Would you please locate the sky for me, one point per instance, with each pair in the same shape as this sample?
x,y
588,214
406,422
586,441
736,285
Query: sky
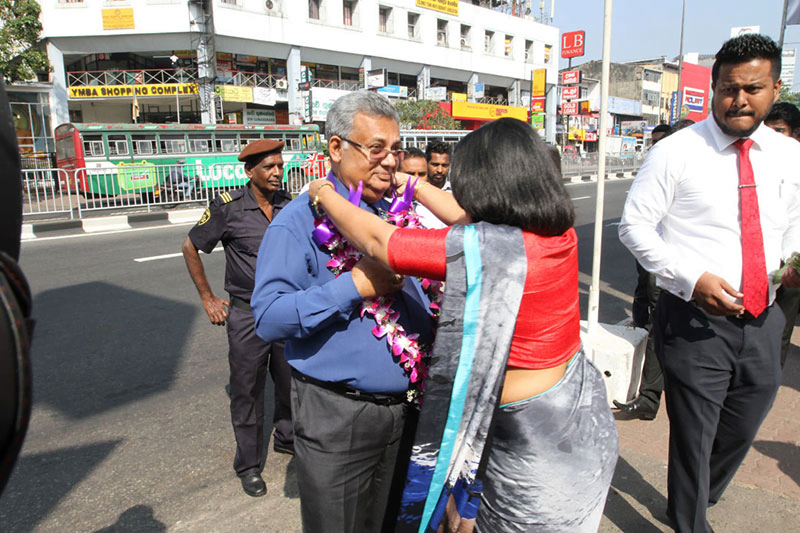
x,y
643,29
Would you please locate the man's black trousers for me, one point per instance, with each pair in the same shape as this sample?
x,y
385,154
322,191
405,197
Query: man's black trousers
x,y
249,358
721,375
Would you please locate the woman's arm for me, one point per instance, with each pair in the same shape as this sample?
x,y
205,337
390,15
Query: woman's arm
x,y
365,231
442,204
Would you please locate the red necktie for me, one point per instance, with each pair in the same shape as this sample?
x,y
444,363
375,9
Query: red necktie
x,y
755,284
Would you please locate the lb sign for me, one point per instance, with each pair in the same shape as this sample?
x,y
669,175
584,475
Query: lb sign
x,y
572,44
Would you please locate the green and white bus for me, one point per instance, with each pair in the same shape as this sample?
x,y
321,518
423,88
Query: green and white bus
x,y
107,160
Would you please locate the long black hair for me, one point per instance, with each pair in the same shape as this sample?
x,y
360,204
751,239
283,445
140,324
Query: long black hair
x,y
502,174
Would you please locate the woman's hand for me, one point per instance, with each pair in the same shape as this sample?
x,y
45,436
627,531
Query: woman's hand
x,y
399,182
313,187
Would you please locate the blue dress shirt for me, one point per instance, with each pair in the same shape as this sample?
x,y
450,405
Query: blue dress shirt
x,y
297,299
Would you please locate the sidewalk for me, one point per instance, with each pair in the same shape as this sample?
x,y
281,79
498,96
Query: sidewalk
x,y
764,495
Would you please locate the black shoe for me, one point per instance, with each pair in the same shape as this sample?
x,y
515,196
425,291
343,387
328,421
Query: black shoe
x,y
253,485
638,408
283,447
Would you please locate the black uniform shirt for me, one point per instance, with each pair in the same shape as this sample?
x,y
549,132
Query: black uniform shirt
x,y
235,218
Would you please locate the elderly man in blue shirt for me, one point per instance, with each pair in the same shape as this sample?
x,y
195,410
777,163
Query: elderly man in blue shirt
x,y
348,389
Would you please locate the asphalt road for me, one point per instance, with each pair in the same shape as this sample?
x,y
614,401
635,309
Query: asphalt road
x,y
130,428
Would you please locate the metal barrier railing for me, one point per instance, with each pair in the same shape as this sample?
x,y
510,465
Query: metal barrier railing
x,y
106,186
575,164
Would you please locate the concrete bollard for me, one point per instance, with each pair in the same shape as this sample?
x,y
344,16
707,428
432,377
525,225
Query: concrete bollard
x,y
617,351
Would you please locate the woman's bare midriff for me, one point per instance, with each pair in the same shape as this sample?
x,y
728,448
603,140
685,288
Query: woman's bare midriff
x,y
522,383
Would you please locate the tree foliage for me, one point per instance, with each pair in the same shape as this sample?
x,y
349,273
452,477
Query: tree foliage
x,y
425,115
20,56
786,96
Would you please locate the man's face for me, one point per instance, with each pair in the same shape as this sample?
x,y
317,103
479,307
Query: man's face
x,y
438,168
415,166
354,163
743,96
267,174
780,126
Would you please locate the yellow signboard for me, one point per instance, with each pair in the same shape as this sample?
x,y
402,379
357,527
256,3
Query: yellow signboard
x,y
472,110
458,97
538,82
118,19
127,91
445,6
234,93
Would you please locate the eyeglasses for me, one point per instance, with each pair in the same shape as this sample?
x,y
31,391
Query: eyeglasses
x,y
376,154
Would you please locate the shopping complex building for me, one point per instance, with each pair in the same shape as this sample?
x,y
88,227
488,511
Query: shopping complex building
x,y
281,61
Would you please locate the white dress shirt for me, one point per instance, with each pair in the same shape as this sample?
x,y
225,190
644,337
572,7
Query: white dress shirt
x,y
426,217
682,216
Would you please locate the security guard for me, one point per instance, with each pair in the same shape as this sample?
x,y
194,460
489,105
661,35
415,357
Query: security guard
x,y
239,219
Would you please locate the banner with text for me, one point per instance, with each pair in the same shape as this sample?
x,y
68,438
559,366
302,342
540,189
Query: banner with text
x,y
475,111
127,91
444,6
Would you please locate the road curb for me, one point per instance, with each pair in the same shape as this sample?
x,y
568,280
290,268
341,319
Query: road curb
x,y
35,230
583,178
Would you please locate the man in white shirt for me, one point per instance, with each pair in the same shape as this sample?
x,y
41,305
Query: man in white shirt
x,y
717,332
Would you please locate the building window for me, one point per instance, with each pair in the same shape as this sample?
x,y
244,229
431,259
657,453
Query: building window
x,y
441,32
349,8
466,43
230,2
652,75
314,9
508,49
548,53
384,19
413,20
528,51
488,42
651,98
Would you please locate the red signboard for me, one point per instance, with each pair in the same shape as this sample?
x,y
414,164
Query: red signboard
x,y
570,93
570,77
572,44
570,108
537,105
695,83
591,136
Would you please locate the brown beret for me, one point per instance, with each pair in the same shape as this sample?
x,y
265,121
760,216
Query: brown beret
x,y
264,146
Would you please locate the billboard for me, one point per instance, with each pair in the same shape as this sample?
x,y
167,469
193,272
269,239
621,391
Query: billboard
x,y
570,77
572,44
695,90
572,92
476,111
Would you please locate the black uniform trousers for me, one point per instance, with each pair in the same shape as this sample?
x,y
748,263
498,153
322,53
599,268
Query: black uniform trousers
x,y
644,304
346,452
721,375
249,357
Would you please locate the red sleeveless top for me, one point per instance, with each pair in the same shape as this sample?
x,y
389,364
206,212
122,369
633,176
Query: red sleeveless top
x,y
547,332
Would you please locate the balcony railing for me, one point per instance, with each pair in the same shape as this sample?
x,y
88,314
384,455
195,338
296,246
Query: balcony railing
x,y
131,77
251,79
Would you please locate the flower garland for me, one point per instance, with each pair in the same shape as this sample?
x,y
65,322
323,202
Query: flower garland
x,y
344,256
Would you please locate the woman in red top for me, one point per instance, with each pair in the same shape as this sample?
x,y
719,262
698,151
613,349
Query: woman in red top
x,y
554,445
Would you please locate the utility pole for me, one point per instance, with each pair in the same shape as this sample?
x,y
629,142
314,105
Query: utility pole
x,y
680,67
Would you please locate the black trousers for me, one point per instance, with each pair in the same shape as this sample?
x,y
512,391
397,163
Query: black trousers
x,y
346,452
721,375
249,358
644,304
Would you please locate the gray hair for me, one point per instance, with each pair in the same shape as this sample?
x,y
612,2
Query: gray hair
x,y
343,111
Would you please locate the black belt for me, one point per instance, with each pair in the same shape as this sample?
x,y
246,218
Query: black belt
x,y
349,392
240,303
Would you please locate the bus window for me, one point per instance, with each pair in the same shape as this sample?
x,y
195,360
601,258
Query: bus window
x,y
117,145
310,142
172,143
144,144
93,145
65,148
227,143
247,138
199,144
293,143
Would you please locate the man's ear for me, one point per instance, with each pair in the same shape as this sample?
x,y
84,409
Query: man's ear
x,y
777,90
335,147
